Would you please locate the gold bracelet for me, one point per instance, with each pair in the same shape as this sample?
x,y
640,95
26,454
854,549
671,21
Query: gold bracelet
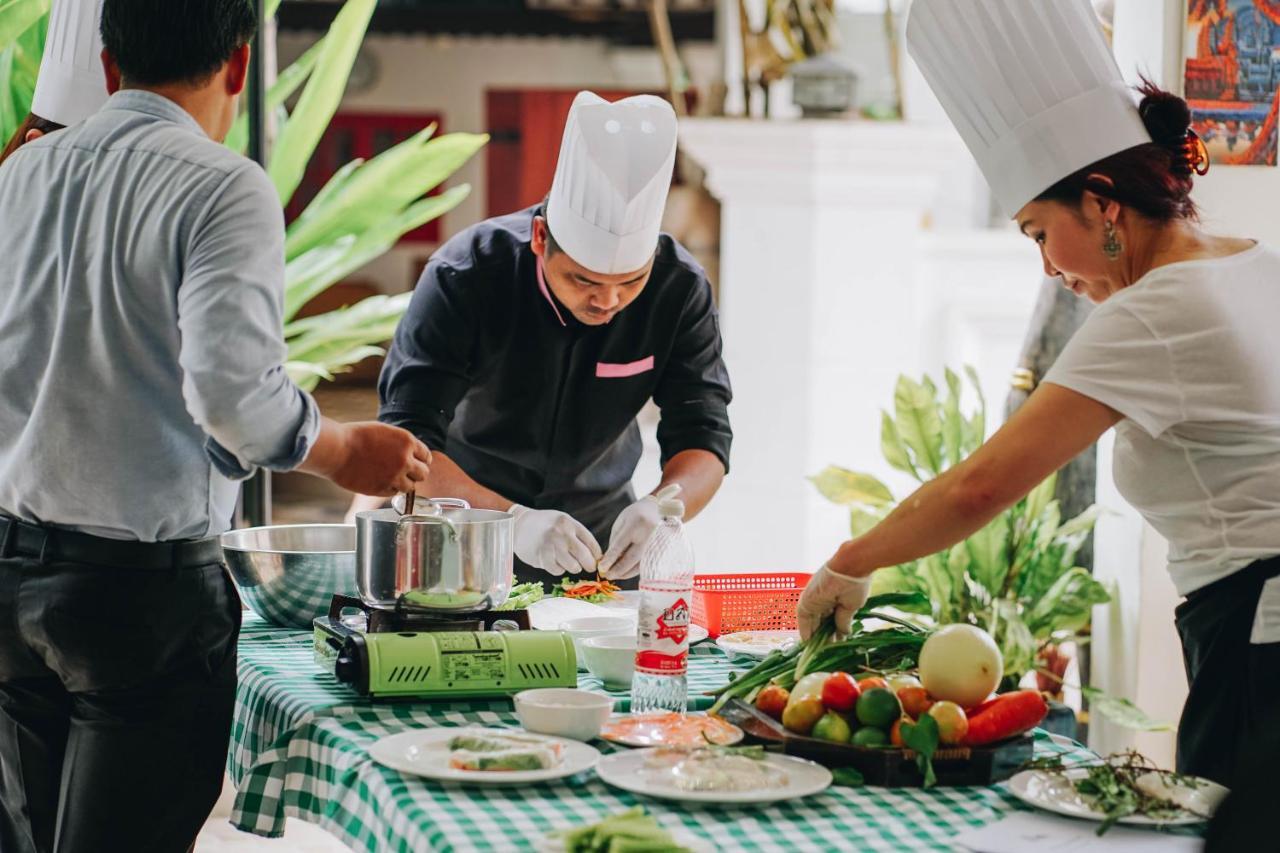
x,y
1023,379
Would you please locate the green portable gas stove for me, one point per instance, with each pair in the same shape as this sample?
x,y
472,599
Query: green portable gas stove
x,y
413,654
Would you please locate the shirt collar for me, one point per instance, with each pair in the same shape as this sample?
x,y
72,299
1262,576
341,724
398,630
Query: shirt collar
x,y
142,101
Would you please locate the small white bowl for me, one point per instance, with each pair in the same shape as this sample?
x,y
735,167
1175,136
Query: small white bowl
x,y
611,658
595,626
563,711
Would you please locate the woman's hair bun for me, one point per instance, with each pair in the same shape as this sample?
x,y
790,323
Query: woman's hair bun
x,y
1166,116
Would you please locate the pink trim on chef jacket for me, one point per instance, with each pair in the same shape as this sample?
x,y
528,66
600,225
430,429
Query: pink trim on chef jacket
x,y
542,285
605,370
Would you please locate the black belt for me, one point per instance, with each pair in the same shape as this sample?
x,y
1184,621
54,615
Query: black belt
x,y
53,545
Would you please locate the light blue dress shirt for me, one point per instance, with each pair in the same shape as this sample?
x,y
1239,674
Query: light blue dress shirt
x,y
141,353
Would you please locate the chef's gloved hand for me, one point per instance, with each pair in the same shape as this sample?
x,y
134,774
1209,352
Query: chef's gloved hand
x,y
553,541
829,592
632,528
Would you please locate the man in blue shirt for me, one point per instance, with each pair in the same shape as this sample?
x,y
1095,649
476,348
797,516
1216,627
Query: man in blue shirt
x,y
142,353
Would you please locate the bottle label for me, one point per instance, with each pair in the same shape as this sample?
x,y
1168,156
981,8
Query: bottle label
x,y
663,637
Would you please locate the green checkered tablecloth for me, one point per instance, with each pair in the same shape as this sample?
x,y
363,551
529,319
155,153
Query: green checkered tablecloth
x,y
300,748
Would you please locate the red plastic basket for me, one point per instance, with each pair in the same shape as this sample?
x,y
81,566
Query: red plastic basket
x,y
724,604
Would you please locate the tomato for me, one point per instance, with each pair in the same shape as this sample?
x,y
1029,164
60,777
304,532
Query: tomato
x,y
773,700
900,681
840,692
895,733
800,715
865,684
832,727
953,725
915,701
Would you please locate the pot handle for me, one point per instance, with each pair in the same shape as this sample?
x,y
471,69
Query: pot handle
x,y
427,506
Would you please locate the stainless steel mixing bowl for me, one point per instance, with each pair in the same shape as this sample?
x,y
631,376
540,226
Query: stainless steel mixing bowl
x,y
287,573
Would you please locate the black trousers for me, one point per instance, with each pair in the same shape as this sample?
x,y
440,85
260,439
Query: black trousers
x,y
117,689
1233,708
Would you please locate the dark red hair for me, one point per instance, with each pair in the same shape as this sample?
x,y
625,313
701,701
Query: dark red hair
x,y
1154,178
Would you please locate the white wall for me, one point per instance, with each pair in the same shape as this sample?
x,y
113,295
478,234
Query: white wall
x,y
450,75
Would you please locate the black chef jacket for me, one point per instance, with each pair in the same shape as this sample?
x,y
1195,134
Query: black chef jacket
x,y
490,368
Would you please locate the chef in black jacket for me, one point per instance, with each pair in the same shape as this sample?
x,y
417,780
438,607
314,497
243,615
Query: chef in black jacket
x,y
534,339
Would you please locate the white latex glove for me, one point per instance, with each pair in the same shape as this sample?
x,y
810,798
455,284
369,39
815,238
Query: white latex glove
x,y
829,592
553,541
631,529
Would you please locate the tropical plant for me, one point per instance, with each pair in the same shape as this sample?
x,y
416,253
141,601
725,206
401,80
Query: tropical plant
x,y
358,215
1016,577
23,24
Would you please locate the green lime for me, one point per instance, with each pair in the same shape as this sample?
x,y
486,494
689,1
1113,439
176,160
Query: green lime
x,y
832,727
878,707
870,736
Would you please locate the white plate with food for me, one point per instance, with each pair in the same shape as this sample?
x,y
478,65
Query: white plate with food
x,y
734,776
671,729
1190,802
483,756
756,644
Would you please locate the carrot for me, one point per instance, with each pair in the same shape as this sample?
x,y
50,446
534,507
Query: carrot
x,y
1006,715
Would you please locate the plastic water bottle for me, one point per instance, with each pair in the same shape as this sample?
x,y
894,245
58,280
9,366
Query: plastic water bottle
x,y
666,599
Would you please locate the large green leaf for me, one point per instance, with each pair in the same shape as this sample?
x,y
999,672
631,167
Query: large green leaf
x,y
280,91
860,521
918,423
385,184
952,422
320,99
1015,639
989,554
309,275
978,424
1039,497
937,579
891,446
901,579
16,16
1067,605
1122,712
849,488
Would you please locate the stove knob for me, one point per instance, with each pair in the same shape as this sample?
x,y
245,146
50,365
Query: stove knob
x,y
347,666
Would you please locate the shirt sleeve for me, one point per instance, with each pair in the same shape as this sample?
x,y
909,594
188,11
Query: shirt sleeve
x,y
1117,359
230,308
693,392
428,368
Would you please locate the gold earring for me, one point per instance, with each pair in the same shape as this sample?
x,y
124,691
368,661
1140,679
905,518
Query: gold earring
x,y
1111,243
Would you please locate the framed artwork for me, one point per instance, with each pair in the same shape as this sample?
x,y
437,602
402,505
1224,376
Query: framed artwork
x,y
1233,78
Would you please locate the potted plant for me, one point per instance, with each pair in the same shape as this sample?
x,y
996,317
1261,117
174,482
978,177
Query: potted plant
x,y
358,215
1016,577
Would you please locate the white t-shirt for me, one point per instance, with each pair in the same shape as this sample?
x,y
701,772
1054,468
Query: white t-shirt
x,y
1190,355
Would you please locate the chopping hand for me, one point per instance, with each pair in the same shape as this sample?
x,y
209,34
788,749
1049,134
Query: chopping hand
x,y
830,593
631,531
553,541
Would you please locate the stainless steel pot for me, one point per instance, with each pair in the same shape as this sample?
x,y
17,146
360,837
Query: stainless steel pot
x,y
445,556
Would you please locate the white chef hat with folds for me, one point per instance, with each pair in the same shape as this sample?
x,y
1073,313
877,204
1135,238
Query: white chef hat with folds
x,y
611,181
71,85
1030,85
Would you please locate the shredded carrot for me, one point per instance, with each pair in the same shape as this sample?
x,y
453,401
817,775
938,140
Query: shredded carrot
x,y
588,588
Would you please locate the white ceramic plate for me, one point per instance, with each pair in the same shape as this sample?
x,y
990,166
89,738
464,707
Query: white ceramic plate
x,y
686,732
625,770
1055,792
549,613
553,843
756,644
425,752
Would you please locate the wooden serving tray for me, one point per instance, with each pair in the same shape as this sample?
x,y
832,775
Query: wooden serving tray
x,y
888,767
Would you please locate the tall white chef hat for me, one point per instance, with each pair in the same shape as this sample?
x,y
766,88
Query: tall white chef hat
x,y
71,85
1031,86
611,181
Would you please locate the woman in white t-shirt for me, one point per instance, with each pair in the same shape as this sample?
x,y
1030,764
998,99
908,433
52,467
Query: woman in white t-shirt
x,y
1183,359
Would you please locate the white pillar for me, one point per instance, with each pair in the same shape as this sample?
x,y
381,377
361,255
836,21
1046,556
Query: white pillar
x,y
819,225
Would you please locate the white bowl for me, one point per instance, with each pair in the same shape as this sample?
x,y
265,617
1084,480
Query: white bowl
x,y
595,626
563,712
612,659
